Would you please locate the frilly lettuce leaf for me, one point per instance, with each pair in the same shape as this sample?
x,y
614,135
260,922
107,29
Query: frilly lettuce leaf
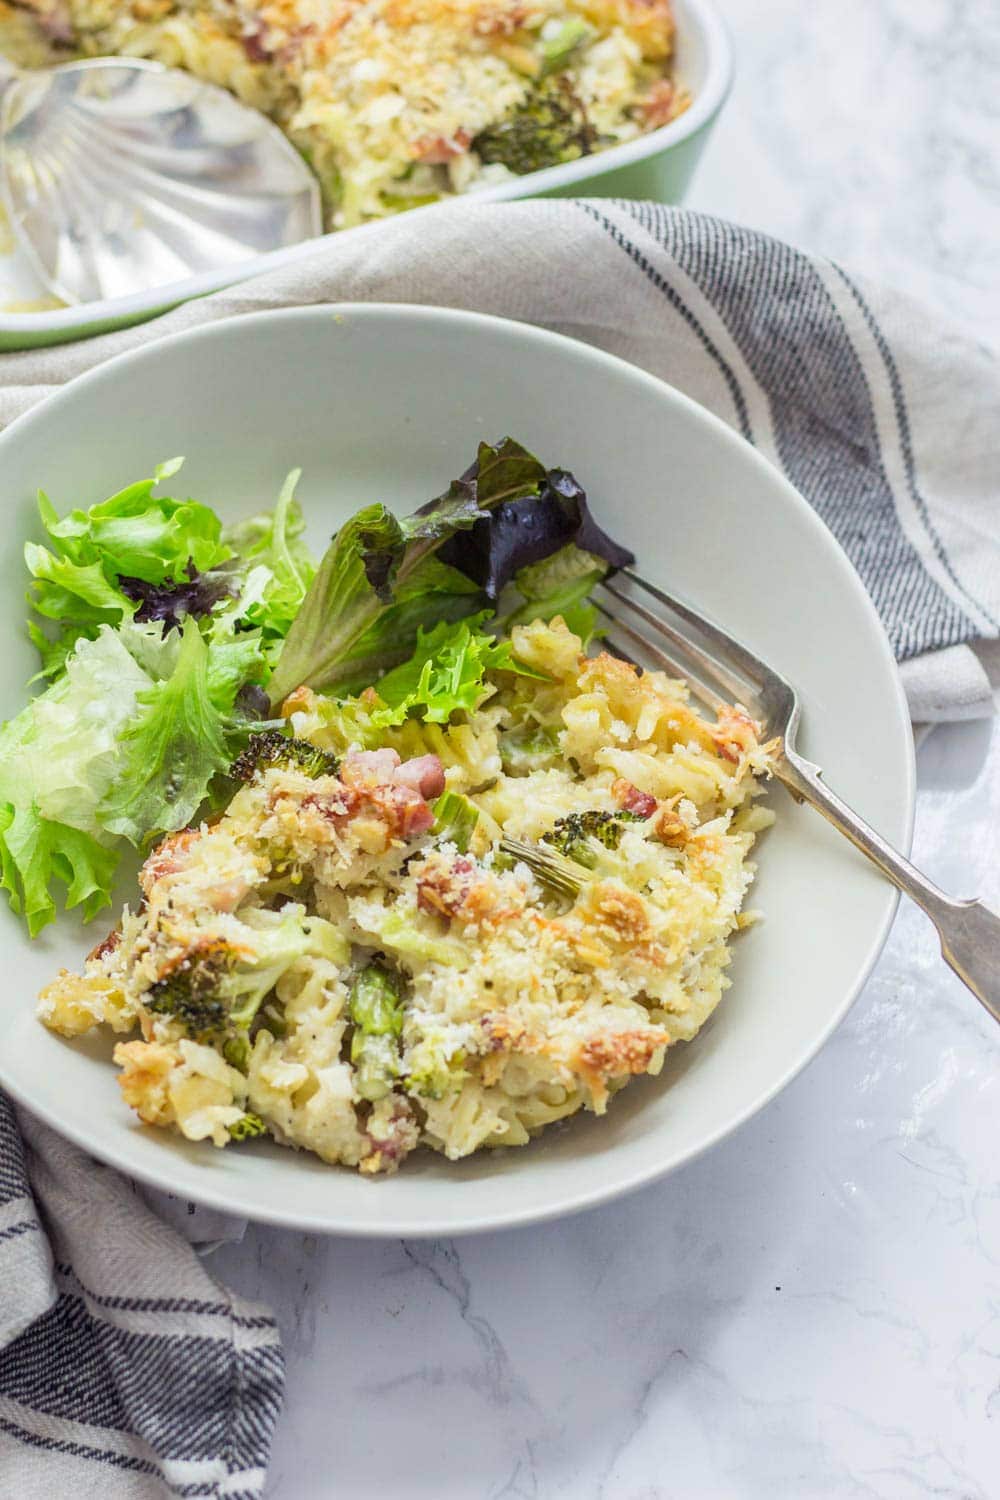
x,y
57,760
60,753
134,555
559,585
139,534
375,588
172,748
122,746
445,674
36,853
271,549
170,601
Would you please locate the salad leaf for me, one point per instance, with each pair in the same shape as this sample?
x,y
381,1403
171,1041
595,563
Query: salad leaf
x,y
346,630
549,512
234,665
173,748
140,534
36,852
60,752
66,590
559,585
134,555
273,542
57,759
434,594
447,672
375,587
54,654
197,594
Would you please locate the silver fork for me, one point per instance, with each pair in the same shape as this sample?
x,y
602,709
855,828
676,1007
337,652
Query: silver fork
x,y
719,670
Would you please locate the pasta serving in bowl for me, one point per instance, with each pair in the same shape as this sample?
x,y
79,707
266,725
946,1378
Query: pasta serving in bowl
x,y
339,964
387,857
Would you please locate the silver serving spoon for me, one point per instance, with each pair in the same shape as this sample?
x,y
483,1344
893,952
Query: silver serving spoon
x,y
119,175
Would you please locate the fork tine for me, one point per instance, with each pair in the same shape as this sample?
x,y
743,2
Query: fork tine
x,y
714,673
666,663
736,656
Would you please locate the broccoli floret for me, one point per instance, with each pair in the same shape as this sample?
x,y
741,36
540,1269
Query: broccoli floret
x,y
574,836
549,127
191,994
246,1127
270,749
216,994
216,991
455,819
376,1008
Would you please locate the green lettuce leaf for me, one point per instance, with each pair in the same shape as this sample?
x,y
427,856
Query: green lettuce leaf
x,y
275,557
137,533
433,594
61,751
445,674
174,746
559,585
54,654
351,625
36,853
57,761
375,587
76,592
103,565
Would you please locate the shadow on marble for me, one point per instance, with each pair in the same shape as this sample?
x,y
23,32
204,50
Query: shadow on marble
x,y
638,1301
954,756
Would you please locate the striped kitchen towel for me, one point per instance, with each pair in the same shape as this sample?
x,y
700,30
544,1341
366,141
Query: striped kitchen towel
x,y
881,415
126,1372
124,1369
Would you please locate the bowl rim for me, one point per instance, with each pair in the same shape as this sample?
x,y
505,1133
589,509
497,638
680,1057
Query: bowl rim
x,y
600,1193
701,17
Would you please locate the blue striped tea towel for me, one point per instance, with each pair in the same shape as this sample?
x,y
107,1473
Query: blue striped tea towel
x,y
125,1370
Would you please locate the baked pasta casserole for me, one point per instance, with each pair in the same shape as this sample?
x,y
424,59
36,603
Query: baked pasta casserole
x,y
395,103
442,933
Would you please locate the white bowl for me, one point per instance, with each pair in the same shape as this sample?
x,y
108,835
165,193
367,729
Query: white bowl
x,y
388,403
657,166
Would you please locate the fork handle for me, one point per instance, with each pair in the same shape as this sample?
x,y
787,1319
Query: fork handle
x,y
969,931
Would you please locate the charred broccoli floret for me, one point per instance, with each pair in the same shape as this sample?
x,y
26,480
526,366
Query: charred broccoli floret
x,y
270,749
217,989
574,835
214,994
549,127
193,993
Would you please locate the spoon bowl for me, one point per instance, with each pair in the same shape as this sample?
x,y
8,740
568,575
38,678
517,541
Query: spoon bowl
x,y
119,175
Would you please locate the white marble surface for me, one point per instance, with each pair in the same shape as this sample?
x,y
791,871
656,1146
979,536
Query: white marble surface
x,y
813,1309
